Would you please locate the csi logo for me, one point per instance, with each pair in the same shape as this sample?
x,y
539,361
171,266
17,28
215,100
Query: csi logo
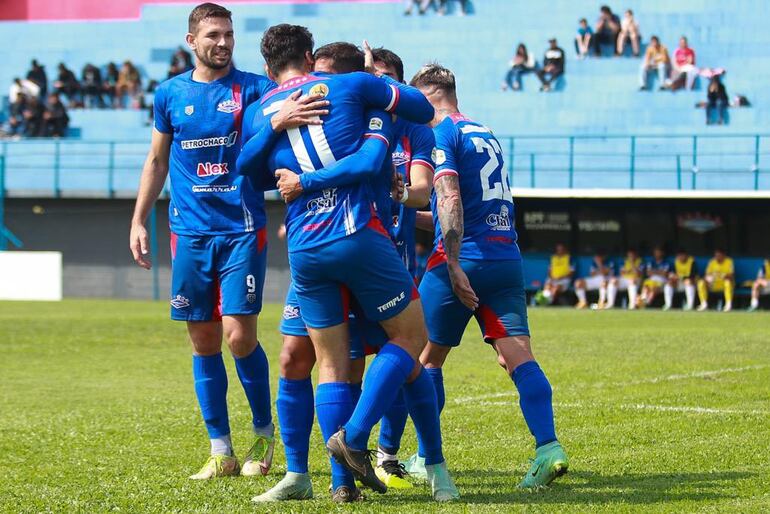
x,y
206,169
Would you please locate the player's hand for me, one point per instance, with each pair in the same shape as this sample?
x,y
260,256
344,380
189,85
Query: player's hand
x,y
288,184
462,286
298,110
368,58
397,187
139,243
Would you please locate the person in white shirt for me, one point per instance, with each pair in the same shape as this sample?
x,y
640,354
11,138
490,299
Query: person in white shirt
x,y
629,30
27,87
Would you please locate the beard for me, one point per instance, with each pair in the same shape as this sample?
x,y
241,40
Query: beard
x,y
209,61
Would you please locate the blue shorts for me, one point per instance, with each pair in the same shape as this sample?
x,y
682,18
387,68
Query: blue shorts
x,y
364,264
366,337
215,276
502,310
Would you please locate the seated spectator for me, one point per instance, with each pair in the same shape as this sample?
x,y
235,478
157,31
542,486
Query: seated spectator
x,y
129,84
16,114
422,6
55,117
684,71
92,86
67,84
629,31
630,275
717,100
761,285
599,278
583,39
181,61
22,87
33,117
464,7
681,279
560,274
553,65
606,30
719,278
523,62
38,75
110,83
656,273
655,59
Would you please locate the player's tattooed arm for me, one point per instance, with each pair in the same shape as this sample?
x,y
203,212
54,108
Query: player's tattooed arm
x,y
450,216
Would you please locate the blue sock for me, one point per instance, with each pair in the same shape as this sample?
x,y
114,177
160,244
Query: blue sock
x,y
334,405
437,376
535,401
255,378
355,393
421,399
392,425
387,373
211,388
295,417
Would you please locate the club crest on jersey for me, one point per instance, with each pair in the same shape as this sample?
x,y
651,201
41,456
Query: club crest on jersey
x,y
180,302
324,203
290,311
319,89
375,123
500,221
229,106
439,156
188,110
206,169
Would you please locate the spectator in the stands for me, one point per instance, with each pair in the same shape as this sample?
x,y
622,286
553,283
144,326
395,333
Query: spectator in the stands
x,y
38,75
583,39
129,84
67,84
422,6
629,31
55,117
523,62
22,87
33,117
656,59
683,71
16,115
717,101
553,65
92,86
110,83
464,6
606,30
181,61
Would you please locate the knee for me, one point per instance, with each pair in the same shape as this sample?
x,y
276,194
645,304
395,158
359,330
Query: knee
x,y
241,342
434,355
206,340
297,359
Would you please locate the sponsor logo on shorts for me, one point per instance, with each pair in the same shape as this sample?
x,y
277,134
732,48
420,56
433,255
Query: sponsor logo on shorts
x,y
251,297
324,203
229,106
290,311
210,142
180,302
214,188
206,169
392,303
501,221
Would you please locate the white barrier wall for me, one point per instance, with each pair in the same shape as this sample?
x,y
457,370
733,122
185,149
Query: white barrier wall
x,y
31,276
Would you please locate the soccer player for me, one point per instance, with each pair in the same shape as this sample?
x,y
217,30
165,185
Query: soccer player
x,y
682,279
656,271
217,230
560,274
761,285
630,275
600,274
335,241
475,268
719,278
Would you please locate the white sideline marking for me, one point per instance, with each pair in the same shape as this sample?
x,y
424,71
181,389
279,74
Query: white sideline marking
x,y
694,374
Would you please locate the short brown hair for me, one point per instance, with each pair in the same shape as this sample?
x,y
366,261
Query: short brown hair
x,y
435,75
345,57
203,11
285,45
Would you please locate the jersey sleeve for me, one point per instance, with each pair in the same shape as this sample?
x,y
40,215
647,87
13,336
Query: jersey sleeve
x,y
259,138
160,111
265,85
362,164
392,96
423,142
446,151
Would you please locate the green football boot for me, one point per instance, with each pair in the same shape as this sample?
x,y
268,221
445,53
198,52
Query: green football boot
x,y
293,486
550,462
415,467
441,483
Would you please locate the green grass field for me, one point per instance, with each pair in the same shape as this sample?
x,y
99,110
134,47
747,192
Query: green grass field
x,y
658,411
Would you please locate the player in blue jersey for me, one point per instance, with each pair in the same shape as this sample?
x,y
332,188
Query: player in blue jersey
x,y
475,268
217,229
337,245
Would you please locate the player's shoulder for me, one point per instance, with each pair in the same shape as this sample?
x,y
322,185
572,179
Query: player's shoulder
x,y
252,79
174,84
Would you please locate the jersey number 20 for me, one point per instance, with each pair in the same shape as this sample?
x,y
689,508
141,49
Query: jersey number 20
x,y
492,190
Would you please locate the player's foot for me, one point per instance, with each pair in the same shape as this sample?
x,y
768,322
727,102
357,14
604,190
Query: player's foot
x,y
260,457
581,305
702,307
687,307
293,486
441,483
393,475
666,307
358,462
728,307
753,308
344,494
415,466
218,466
549,463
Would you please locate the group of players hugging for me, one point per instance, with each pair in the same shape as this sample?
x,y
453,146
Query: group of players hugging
x,y
354,152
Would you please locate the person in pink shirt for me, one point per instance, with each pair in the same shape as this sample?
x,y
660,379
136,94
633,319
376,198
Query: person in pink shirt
x,y
683,71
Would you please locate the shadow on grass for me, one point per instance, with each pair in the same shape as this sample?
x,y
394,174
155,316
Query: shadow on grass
x,y
591,488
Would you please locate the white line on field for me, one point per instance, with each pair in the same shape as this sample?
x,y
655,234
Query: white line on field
x,y
694,374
